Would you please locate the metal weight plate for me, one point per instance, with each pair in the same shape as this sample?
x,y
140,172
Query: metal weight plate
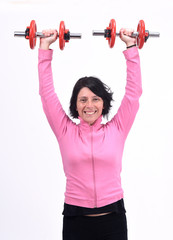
x,y
112,27
61,35
32,34
141,34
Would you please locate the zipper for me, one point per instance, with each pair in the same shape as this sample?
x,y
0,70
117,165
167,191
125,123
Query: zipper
x,y
93,165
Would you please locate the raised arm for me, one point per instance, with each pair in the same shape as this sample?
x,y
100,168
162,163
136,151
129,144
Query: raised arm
x,y
55,114
130,103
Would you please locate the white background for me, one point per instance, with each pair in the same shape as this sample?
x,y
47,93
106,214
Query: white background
x,y
32,182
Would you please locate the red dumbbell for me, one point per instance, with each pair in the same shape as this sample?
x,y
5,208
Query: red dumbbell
x,y
141,35
31,34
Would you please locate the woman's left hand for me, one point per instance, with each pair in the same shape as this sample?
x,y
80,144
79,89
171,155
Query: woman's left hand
x,y
125,35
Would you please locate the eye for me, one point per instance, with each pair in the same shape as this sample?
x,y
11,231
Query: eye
x,y
96,99
82,100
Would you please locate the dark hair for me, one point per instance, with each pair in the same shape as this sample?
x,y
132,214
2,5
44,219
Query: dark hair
x,y
97,87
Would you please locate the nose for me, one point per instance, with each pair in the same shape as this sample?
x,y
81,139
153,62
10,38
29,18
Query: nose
x,y
89,104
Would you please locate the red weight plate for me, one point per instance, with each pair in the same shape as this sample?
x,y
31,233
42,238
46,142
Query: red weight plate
x,y
61,35
141,34
32,34
112,27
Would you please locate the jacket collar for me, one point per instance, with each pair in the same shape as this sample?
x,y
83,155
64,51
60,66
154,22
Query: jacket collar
x,y
84,125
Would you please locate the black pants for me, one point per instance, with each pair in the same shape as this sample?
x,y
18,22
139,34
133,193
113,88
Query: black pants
x,y
112,226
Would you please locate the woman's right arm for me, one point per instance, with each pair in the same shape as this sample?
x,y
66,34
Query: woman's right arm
x,y
55,114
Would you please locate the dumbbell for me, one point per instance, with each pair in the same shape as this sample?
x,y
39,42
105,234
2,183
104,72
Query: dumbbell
x,y
141,35
31,34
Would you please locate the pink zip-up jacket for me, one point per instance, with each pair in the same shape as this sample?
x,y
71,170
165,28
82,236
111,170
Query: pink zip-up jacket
x,y
91,155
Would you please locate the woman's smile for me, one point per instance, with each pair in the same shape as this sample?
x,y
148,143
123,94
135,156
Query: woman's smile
x,y
90,112
89,105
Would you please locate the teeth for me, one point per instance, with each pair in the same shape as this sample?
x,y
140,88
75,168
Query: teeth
x,y
89,113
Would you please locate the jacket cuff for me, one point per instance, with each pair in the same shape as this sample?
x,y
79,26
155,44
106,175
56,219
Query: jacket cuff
x,y
131,53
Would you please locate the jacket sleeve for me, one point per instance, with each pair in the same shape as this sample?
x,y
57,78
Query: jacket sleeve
x,y
130,104
55,114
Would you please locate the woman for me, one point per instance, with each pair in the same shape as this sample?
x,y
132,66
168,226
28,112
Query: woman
x,y
91,151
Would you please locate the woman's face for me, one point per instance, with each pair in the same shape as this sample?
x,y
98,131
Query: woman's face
x,y
89,105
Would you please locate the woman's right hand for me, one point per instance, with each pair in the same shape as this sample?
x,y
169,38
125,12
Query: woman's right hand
x,y
51,36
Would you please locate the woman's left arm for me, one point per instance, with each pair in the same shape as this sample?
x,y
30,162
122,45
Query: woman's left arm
x,y
130,103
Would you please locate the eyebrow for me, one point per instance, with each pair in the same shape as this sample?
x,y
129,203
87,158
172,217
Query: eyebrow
x,y
87,97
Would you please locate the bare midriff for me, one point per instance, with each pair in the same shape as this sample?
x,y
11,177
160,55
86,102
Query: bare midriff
x,y
100,214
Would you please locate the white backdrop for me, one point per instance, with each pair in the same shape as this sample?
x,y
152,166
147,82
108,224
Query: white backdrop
x,y
32,182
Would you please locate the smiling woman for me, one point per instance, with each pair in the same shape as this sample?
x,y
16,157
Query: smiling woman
x,y
89,106
92,151
90,99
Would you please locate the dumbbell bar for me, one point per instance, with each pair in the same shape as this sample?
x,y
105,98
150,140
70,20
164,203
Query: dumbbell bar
x,y
31,34
142,35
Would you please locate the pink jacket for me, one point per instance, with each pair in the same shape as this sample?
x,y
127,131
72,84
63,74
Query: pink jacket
x,y
91,155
